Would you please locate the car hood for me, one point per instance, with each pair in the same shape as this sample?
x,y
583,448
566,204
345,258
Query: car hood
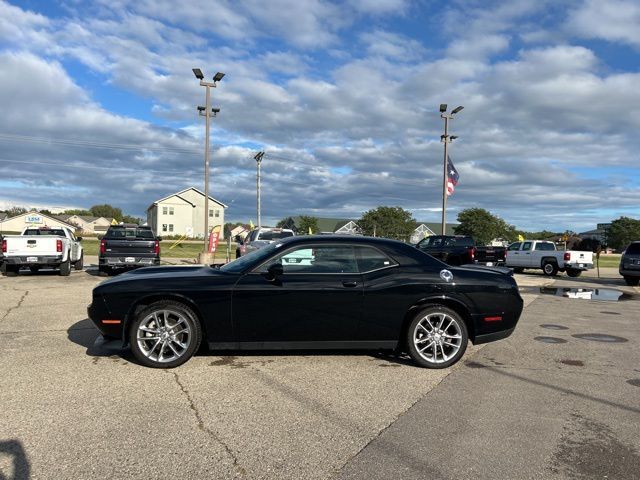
x,y
164,271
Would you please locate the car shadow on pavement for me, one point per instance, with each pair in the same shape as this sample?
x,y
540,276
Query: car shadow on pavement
x,y
21,467
85,334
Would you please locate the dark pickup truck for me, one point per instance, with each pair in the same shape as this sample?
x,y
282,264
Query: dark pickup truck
x,y
461,250
126,247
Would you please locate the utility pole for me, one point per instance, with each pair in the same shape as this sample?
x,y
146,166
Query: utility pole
x,y
446,139
207,112
258,159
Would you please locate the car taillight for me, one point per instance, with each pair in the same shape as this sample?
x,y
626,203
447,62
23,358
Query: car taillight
x,y
157,248
4,246
473,253
59,246
567,256
102,246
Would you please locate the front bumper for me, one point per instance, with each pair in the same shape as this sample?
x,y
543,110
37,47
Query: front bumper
x,y
103,320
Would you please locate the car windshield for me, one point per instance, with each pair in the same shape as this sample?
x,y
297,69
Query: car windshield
x,y
274,235
255,257
45,231
633,249
461,242
116,233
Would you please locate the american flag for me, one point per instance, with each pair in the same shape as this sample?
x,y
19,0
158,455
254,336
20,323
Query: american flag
x,y
452,176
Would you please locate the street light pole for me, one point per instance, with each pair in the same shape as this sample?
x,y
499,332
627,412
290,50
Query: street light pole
x,y
446,139
207,112
258,159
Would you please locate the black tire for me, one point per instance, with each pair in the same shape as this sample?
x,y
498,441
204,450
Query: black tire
x,y
79,264
416,333
11,270
176,310
573,273
34,269
238,254
65,268
103,271
518,269
632,281
549,268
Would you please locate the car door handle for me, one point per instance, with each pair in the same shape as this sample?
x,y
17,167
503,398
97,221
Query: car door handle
x,y
349,283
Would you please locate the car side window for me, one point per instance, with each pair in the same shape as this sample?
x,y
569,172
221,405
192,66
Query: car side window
x,y
544,246
526,246
316,259
370,259
514,246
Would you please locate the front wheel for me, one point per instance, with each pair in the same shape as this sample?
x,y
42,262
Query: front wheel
x,y
572,272
437,337
165,334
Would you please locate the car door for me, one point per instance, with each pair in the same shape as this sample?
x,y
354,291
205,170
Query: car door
x,y
513,254
526,259
318,298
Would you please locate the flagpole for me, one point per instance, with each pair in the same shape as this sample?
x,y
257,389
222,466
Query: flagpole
x,y
445,139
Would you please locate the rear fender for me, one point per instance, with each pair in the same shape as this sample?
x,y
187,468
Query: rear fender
x,y
548,259
453,303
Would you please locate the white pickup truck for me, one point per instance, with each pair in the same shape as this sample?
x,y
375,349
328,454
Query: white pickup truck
x,y
543,255
42,247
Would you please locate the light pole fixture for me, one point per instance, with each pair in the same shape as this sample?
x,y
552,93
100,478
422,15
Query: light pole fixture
x,y
207,112
446,139
258,159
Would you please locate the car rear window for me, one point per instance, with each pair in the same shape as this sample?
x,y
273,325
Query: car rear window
x,y
274,235
116,233
547,246
461,242
48,231
633,249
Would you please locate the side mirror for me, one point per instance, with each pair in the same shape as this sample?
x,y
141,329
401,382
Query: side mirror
x,y
159,239
239,239
274,271
79,239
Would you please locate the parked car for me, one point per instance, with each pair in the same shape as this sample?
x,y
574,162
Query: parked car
x,y
461,250
261,237
42,247
540,254
630,264
128,247
354,292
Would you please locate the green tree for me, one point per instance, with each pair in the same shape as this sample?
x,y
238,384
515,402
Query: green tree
x,y
77,211
15,211
106,211
286,222
131,219
483,226
44,211
389,222
307,223
622,232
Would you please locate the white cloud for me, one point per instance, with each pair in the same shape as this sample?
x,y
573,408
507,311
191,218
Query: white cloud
x,y
616,21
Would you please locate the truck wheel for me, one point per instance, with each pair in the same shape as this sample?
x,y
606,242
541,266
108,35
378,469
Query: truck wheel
x,y
632,281
518,269
572,272
238,254
11,270
103,271
550,268
79,265
65,268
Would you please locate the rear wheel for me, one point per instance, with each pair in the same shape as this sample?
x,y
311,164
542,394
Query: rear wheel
x,y
550,268
165,334
238,253
518,269
572,272
632,281
65,268
437,337
79,265
11,270
103,271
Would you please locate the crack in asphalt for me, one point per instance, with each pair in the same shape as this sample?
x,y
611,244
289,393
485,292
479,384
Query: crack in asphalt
x,y
11,309
204,428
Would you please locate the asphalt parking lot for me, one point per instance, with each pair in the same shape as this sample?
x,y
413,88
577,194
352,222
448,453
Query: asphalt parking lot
x,y
552,401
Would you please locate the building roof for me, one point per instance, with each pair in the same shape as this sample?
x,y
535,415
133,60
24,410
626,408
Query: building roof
x,y
177,194
436,227
50,217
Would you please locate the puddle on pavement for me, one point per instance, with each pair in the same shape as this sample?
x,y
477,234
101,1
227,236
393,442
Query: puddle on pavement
x,y
550,339
600,337
551,326
597,294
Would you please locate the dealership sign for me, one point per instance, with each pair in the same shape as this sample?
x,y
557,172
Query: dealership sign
x,y
34,219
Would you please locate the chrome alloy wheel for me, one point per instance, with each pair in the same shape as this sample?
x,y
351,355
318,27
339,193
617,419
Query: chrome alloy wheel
x,y
437,337
164,335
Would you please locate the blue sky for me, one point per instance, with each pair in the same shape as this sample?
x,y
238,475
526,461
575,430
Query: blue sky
x,y
99,105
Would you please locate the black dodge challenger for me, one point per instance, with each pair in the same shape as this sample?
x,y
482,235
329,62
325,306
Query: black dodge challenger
x,y
322,292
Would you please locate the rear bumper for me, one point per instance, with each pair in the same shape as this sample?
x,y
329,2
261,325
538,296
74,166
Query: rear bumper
x,y
578,266
128,261
492,337
40,261
627,272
